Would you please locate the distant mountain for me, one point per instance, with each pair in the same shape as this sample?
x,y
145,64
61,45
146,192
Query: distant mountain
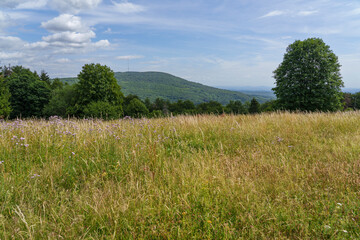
x,y
351,90
154,85
258,92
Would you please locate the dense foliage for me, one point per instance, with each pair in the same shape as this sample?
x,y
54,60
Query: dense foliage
x,y
29,94
309,77
5,108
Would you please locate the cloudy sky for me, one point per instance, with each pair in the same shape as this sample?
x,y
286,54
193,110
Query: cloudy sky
x,y
214,42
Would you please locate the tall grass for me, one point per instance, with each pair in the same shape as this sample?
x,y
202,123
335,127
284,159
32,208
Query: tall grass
x,y
270,176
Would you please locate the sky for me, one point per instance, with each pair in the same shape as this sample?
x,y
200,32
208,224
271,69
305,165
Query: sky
x,y
213,42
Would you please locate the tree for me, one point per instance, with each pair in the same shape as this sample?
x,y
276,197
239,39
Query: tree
x,y
29,94
254,106
5,108
97,83
210,107
235,107
45,78
308,79
136,109
61,102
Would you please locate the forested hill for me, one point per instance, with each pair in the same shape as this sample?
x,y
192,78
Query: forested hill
x,y
154,85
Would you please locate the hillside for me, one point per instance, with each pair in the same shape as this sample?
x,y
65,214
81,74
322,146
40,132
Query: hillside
x,y
154,85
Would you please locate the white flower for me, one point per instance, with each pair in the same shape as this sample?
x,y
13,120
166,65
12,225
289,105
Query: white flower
x,y
327,227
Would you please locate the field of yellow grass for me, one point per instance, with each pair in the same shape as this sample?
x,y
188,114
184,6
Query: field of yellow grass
x,y
268,176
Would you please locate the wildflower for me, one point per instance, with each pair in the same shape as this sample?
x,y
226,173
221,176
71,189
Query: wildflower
x,y
35,175
327,227
209,221
344,231
104,174
72,153
22,138
1,162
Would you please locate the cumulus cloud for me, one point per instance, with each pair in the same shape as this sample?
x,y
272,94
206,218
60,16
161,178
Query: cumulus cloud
x,y
74,6
70,37
9,42
65,22
273,14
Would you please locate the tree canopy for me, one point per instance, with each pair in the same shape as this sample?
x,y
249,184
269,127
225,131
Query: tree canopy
x,y
29,94
308,78
5,108
98,83
97,87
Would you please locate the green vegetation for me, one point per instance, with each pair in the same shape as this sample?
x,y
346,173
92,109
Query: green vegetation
x,y
5,108
309,78
98,93
154,85
267,176
29,94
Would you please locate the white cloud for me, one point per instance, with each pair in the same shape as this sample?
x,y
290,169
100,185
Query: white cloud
x,y
4,20
37,4
273,14
74,6
10,56
65,22
10,3
126,7
62,60
70,37
307,13
9,42
101,44
129,57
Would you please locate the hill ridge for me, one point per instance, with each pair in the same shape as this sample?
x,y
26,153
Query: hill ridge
x,y
153,84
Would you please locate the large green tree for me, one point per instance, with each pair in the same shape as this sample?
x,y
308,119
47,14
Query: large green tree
x,y
308,78
29,94
97,83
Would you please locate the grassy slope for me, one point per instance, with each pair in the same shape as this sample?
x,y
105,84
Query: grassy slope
x,y
156,84
276,176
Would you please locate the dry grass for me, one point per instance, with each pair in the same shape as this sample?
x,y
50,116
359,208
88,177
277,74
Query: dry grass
x,y
270,176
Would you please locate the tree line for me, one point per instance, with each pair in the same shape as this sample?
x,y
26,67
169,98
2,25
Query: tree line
x,y
308,79
25,94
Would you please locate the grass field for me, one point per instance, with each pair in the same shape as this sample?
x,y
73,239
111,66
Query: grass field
x,y
270,176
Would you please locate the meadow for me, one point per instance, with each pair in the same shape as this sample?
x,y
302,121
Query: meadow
x,y
267,176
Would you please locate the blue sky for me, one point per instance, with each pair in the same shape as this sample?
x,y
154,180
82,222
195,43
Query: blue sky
x,y
213,42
